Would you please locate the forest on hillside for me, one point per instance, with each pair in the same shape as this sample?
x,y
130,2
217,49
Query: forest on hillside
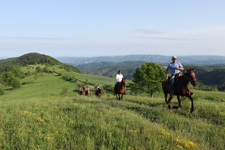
x,y
210,77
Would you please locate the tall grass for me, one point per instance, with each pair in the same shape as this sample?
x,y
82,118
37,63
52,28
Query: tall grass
x,y
48,114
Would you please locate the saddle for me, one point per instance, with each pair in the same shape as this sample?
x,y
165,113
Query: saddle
x,y
176,79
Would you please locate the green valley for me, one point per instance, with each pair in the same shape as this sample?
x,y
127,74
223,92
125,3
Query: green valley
x,y
47,113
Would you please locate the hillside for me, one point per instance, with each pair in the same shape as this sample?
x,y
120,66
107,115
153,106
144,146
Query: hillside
x,y
32,59
47,113
212,76
111,68
160,59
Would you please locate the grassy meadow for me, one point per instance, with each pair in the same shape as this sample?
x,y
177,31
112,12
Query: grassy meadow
x,y
47,113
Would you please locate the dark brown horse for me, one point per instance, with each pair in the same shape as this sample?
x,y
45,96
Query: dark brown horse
x,y
80,91
98,93
120,91
87,93
181,88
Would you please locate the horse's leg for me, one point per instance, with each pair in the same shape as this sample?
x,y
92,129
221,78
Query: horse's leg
x,y
171,97
121,96
179,100
166,97
192,103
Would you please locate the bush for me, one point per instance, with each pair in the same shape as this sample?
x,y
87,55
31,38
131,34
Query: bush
x,y
2,91
46,69
16,83
109,88
38,69
11,80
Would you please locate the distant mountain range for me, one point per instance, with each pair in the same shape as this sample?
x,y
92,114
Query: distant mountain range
x,y
160,59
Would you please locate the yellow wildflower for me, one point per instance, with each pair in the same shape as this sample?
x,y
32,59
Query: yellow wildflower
x,y
40,120
130,147
163,132
24,113
48,137
179,146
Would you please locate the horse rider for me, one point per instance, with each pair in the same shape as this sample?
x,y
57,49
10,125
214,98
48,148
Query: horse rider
x,y
81,90
119,78
87,90
83,87
175,67
98,87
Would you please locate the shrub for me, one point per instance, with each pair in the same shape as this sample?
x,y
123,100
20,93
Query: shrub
x,y
38,69
2,91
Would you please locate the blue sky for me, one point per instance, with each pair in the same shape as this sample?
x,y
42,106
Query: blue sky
x,y
112,27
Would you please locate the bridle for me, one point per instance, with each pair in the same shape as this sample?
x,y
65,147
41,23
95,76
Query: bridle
x,y
189,78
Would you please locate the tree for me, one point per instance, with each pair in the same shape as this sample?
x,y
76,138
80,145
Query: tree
x,y
38,69
10,79
2,91
148,78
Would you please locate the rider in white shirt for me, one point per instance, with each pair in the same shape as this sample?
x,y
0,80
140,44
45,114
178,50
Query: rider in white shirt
x,y
119,78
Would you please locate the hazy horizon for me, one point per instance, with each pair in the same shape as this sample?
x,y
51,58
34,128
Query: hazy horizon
x,y
5,57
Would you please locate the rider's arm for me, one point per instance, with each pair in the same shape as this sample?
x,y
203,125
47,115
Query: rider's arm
x,y
117,78
180,67
167,73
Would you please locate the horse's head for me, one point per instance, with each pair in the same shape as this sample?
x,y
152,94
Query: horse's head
x,y
124,81
191,76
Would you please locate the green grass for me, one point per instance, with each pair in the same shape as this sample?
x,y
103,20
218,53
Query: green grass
x,y
37,116
45,85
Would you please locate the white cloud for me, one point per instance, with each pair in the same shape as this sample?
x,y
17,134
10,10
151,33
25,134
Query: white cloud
x,y
213,33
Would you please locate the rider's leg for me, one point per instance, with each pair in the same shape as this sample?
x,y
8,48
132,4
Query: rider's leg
x,y
115,88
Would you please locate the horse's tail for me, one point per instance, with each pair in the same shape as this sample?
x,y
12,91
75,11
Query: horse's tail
x,y
164,85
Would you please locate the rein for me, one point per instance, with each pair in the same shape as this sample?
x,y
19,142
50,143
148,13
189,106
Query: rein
x,y
190,80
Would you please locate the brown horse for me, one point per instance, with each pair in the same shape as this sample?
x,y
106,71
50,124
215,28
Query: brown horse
x,y
87,93
121,89
98,93
181,88
80,91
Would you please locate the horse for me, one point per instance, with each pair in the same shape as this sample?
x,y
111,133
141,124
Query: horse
x,y
120,90
87,93
181,88
80,91
98,93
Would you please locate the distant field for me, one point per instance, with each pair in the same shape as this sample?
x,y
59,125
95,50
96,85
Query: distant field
x,y
39,116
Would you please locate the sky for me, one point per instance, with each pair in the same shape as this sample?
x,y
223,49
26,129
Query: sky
x,y
112,27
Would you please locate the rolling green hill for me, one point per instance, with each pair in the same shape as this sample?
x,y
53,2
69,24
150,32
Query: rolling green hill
x,y
47,113
32,59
